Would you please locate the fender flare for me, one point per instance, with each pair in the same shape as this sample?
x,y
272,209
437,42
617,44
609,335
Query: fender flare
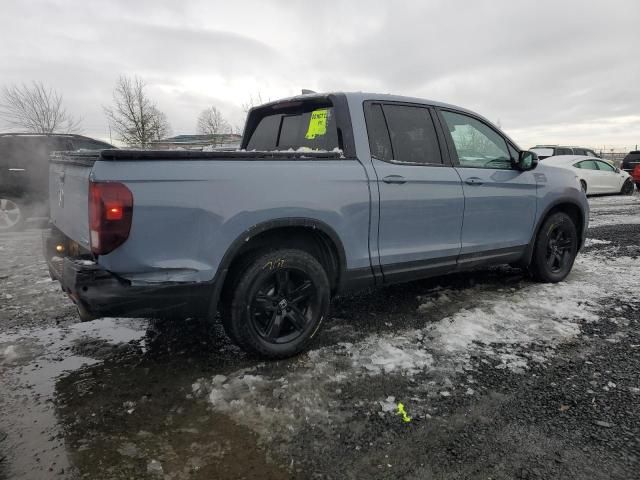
x,y
247,235
528,253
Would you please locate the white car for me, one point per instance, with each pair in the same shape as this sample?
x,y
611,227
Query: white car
x,y
596,176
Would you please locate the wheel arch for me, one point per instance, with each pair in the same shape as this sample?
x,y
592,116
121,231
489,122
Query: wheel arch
x,y
310,235
567,206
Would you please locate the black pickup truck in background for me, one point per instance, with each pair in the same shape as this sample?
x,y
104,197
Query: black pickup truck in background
x,y
24,173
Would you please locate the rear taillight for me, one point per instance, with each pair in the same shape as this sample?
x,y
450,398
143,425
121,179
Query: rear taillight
x,y
110,213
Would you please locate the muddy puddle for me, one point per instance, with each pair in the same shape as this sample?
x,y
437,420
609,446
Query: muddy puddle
x,y
113,398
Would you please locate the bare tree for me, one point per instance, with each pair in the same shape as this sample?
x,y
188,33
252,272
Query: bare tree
x,y
37,109
253,101
211,122
134,117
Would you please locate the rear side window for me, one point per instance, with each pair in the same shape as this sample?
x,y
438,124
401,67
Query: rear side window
x,y
413,135
89,144
587,165
379,141
564,151
59,144
310,127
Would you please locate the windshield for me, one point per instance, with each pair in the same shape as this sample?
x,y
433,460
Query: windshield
x,y
308,127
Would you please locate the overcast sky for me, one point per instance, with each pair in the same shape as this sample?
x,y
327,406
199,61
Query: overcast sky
x,y
549,71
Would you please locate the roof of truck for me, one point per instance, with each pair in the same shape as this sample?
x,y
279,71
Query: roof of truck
x,y
363,96
359,97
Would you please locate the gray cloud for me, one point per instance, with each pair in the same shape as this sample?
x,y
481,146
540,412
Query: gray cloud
x,y
549,70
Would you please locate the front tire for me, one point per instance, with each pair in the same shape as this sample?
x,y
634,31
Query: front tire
x,y
555,249
583,185
627,188
278,304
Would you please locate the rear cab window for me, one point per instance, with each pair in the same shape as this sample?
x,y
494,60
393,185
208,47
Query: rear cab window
x,y
295,126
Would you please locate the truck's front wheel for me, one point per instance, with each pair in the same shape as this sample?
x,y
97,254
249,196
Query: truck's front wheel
x,y
278,304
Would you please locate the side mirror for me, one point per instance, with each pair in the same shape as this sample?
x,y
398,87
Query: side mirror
x,y
527,160
617,170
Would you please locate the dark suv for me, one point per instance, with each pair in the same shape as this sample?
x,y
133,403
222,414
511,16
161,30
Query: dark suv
x,y
545,151
24,173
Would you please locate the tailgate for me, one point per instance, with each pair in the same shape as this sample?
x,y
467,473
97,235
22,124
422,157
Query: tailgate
x,y
69,193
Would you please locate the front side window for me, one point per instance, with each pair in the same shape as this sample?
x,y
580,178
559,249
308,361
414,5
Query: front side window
x,y
413,135
477,145
564,151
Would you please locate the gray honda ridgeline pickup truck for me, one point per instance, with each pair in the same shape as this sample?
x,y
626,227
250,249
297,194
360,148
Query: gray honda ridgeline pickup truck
x,y
329,193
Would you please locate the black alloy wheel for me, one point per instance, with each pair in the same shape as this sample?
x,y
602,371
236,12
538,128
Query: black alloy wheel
x,y
276,303
559,248
282,305
555,249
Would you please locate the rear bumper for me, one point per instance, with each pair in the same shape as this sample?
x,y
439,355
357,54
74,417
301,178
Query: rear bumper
x,y
100,293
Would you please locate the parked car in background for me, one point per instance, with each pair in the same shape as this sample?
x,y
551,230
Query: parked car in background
x,y
546,151
596,176
330,193
629,164
24,173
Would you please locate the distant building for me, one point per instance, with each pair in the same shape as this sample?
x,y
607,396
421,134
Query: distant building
x,y
199,142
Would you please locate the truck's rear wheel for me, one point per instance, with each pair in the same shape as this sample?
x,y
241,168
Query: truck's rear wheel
x,y
278,304
555,249
12,215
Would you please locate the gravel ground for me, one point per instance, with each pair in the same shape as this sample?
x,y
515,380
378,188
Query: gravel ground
x,y
501,378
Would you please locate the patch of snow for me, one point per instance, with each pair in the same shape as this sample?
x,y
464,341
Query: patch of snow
x,y
388,404
391,355
594,241
10,354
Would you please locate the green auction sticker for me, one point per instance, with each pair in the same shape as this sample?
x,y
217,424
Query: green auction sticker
x,y
317,124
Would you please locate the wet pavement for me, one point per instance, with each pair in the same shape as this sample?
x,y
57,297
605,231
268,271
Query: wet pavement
x,y
502,378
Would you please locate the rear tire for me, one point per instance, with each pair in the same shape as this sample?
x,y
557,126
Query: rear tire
x,y
627,188
278,304
583,185
13,214
555,249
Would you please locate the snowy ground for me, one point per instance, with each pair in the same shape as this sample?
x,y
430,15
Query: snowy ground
x,y
501,377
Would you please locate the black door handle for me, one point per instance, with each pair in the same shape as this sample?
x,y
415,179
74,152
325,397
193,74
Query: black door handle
x,y
473,181
396,179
